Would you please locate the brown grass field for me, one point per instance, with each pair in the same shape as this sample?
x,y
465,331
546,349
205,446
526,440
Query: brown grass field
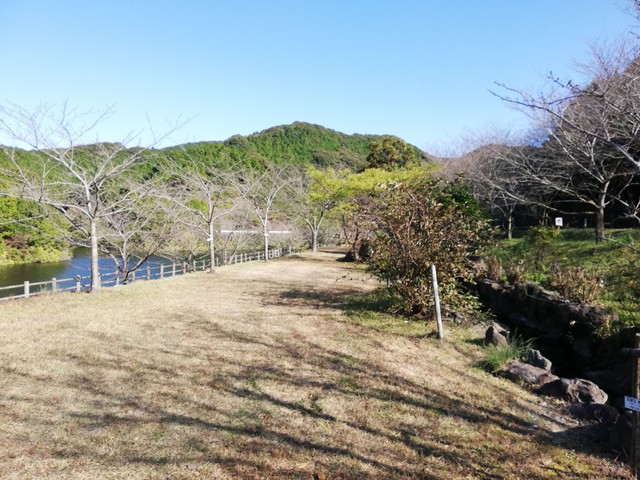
x,y
259,372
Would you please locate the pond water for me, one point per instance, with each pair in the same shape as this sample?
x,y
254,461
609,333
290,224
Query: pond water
x,y
80,265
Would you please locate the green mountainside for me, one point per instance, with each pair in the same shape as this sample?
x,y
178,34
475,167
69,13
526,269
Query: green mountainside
x,y
26,234
297,143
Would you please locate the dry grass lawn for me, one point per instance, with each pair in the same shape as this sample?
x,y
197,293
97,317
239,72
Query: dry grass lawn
x,y
257,372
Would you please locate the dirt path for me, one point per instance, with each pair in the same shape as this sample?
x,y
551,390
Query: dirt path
x,y
256,372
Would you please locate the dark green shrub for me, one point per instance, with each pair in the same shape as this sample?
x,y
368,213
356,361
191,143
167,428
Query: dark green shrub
x,y
416,226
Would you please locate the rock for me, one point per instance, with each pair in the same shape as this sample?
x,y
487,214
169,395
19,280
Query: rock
x,y
494,337
594,412
576,390
535,358
615,380
502,328
526,373
621,433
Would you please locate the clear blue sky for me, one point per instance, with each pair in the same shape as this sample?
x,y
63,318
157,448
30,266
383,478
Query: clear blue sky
x,y
418,69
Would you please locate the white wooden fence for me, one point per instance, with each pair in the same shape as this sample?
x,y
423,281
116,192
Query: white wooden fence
x,y
83,283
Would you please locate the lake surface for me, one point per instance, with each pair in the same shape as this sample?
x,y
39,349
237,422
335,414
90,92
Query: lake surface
x,y
80,265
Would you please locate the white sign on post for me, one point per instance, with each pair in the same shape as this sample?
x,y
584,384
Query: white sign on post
x,y
558,221
631,403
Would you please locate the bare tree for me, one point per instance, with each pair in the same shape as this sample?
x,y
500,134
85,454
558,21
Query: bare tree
x,y
80,181
495,183
201,189
261,188
310,199
134,234
591,153
239,233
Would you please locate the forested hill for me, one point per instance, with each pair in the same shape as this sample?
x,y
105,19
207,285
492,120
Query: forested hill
x,y
29,234
297,143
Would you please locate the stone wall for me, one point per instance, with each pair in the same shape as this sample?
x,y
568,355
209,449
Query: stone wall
x,y
559,327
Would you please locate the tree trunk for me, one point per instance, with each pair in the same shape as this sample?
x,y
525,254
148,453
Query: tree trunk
x,y
212,250
266,241
314,235
600,223
95,256
510,227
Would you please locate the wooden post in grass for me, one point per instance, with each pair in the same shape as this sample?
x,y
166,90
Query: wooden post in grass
x,y
635,392
436,301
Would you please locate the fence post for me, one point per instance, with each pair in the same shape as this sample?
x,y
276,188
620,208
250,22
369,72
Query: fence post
x,y
54,284
194,265
116,279
99,280
78,283
26,289
436,301
161,270
173,270
148,273
132,276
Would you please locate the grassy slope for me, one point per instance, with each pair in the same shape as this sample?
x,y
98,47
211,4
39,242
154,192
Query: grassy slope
x,y
256,372
615,264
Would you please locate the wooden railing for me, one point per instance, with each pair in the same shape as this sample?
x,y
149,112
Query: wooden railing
x,y
83,283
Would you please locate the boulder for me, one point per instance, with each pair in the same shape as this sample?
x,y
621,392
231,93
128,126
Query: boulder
x,y
501,327
494,337
576,390
615,380
526,373
594,412
535,358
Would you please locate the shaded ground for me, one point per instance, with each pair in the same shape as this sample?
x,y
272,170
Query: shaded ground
x,y
256,372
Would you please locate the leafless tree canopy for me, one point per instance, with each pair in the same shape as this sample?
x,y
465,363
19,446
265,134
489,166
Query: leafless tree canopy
x,y
590,154
92,185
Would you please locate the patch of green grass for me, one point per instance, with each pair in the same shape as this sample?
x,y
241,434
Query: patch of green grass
x,y
373,310
616,262
497,356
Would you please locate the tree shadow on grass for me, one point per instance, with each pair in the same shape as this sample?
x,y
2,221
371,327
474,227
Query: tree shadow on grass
x,y
242,383
261,404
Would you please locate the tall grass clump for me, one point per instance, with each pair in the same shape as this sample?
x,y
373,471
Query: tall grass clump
x,y
497,356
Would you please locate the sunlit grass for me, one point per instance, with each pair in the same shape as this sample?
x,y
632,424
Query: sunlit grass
x,y
258,372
